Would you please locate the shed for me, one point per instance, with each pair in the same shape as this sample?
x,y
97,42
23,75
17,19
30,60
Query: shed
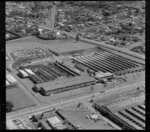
x,y
54,121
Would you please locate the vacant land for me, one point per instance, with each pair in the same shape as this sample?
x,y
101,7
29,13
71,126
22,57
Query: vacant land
x,y
58,46
18,97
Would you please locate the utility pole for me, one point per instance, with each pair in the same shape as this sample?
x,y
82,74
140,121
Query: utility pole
x,y
45,99
92,90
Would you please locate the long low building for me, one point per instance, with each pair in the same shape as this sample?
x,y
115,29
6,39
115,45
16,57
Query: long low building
x,y
10,78
22,73
65,85
106,62
29,71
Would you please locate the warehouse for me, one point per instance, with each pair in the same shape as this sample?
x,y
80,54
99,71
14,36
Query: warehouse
x,y
106,62
100,75
35,79
45,69
29,71
42,76
22,73
64,85
10,78
54,121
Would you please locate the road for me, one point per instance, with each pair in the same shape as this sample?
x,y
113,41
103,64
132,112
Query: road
x,y
46,107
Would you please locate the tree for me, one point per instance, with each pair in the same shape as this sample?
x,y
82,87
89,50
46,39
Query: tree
x,y
9,106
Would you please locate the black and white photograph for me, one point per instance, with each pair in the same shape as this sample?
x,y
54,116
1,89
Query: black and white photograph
x,y
75,65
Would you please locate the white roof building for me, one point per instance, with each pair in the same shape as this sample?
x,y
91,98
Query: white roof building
x,y
94,116
54,121
40,30
7,83
101,74
7,35
29,71
58,34
10,78
76,70
23,73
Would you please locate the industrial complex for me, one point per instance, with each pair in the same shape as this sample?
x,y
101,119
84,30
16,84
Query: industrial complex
x,y
59,77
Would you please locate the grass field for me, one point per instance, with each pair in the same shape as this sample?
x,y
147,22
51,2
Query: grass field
x,y
19,98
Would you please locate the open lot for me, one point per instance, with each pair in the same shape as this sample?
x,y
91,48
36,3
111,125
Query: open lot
x,y
77,116
18,97
59,46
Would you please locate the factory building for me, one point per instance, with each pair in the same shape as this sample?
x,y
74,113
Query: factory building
x,y
106,62
100,75
45,125
56,123
55,87
29,71
22,73
10,78
106,112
